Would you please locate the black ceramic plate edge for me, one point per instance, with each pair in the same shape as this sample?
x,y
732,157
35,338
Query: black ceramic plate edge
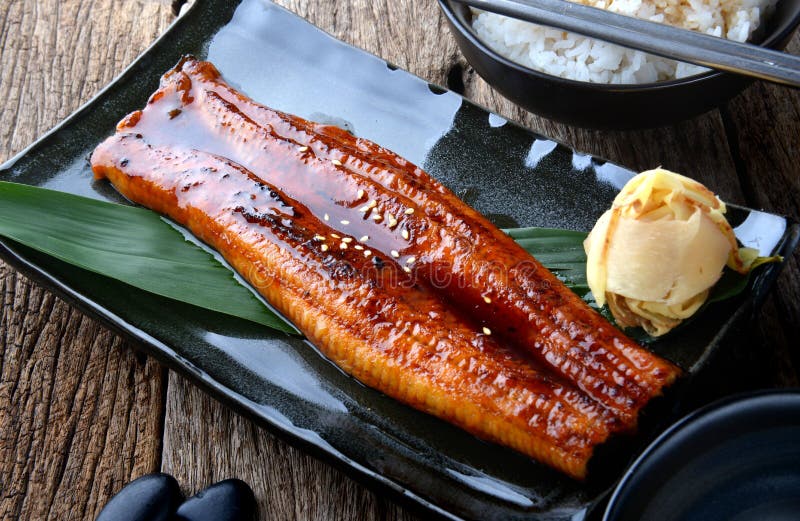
x,y
145,343
16,257
9,252
757,289
667,434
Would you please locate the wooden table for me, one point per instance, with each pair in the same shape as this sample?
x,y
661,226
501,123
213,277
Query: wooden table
x,y
81,413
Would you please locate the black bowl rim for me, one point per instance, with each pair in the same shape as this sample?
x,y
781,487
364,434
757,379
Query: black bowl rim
x,y
469,34
736,402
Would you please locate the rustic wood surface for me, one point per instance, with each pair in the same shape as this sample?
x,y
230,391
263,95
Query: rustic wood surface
x,y
81,413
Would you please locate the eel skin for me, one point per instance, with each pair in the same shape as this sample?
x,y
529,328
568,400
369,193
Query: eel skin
x,y
384,269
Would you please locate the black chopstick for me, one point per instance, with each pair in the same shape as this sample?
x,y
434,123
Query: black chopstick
x,y
652,37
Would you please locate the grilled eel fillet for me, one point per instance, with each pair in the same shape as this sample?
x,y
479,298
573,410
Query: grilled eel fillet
x,y
476,265
363,313
363,191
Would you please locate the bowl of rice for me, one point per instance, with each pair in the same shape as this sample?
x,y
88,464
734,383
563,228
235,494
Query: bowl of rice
x,y
587,82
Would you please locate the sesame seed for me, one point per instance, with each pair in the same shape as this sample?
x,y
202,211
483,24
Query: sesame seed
x,y
377,217
326,217
364,238
406,269
319,238
336,236
347,239
364,208
303,149
360,194
487,300
367,253
373,203
392,221
411,260
345,222
336,162
404,233
324,247
343,245
358,247
487,331
395,254
409,211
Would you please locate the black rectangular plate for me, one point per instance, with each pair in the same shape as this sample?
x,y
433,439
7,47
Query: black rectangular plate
x,y
514,177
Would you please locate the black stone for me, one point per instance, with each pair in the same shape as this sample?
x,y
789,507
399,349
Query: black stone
x,y
228,500
153,497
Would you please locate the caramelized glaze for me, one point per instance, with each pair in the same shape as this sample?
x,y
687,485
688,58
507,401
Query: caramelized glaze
x,y
394,278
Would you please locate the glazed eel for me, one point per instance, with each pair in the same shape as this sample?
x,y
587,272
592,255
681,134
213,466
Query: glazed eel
x,y
384,269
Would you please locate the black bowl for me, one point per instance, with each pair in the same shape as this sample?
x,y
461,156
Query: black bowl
x,y
738,459
606,106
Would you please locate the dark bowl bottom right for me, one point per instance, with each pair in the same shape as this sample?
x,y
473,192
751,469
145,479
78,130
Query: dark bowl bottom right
x,y
736,460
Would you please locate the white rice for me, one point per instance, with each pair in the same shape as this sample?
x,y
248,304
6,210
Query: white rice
x,y
580,58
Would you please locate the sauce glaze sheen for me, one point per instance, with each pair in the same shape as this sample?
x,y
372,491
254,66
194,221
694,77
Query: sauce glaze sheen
x,y
360,248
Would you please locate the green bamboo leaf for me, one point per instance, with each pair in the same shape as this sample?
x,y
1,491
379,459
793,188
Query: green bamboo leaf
x,y
560,251
138,247
729,285
133,245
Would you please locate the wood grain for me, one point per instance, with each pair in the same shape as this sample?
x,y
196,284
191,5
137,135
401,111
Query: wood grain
x,y
765,142
80,413
206,442
78,410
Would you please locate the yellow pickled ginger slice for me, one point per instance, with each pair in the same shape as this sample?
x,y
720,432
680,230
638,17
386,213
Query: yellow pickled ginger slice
x,y
659,249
